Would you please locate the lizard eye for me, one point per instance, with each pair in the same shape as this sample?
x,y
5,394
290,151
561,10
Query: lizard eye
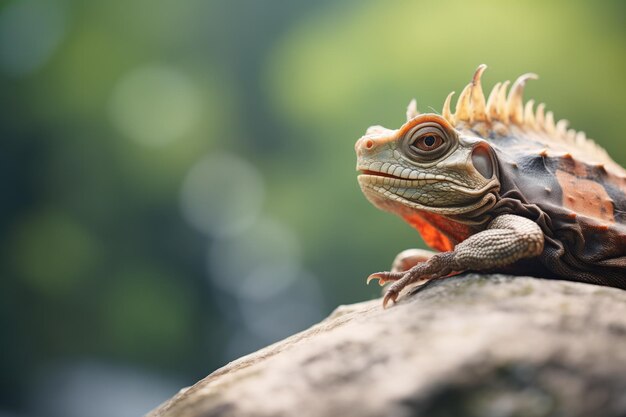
x,y
427,141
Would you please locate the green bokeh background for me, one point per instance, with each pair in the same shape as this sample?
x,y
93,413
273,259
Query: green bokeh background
x,y
107,105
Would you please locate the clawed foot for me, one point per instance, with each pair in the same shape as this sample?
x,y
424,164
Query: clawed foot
x,y
393,291
437,266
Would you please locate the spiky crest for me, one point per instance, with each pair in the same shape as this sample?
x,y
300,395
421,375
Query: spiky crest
x,y
472,108
411,110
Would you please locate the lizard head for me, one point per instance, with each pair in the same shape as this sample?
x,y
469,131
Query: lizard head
x,y
444,165
427,165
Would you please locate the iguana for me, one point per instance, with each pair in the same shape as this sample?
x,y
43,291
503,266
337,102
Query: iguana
x,y
497,186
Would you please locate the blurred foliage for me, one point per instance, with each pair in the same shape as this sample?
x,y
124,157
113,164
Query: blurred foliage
x,y
107,106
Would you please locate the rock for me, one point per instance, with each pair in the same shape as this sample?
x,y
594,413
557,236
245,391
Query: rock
x,y
474,345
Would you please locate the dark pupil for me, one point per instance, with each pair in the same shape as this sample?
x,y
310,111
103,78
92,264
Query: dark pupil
x,y
429,140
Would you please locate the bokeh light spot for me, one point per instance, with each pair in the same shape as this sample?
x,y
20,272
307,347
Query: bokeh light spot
x,y
258,263
222,194
263,321
146,307
53,253
30,31
155,106
291,310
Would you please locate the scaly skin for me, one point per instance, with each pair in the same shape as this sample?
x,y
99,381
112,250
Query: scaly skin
x,y
416,185
493,184
508,238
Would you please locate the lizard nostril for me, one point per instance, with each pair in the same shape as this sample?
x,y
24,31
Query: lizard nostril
x,y
369,144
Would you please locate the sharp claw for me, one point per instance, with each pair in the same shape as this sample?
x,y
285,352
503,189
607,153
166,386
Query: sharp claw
x,y
385,277
390,295
380,276
371,277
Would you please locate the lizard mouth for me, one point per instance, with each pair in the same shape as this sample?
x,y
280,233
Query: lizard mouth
x,y
383,179
379,178
379,174
474,208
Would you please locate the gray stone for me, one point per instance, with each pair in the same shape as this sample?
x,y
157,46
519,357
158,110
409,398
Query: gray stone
x,y
474,345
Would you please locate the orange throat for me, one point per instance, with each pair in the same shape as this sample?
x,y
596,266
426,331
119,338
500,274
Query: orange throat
x,y
438,232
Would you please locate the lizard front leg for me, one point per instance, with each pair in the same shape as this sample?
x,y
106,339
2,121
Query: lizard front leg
x,y
508,238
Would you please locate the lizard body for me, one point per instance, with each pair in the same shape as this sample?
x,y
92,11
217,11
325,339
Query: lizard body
x,y
497,186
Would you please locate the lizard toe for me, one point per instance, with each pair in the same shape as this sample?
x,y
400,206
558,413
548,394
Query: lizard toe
x,y
384,277
390,295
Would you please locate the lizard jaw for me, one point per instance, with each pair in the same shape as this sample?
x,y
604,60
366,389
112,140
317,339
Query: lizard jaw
x,y
389,201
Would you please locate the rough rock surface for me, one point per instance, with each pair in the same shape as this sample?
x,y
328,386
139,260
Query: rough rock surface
x,y
474,345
